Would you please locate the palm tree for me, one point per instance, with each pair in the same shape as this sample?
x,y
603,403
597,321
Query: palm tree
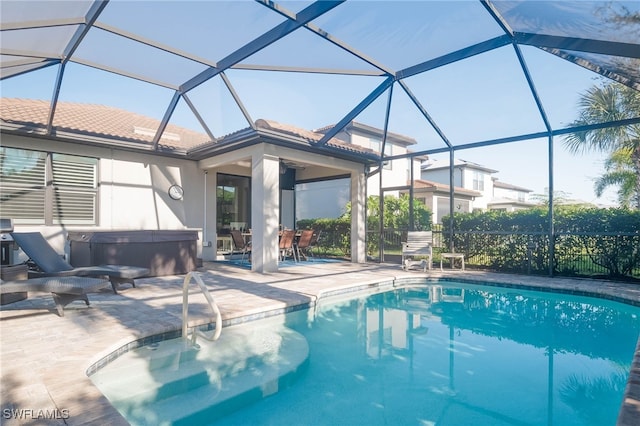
x,y
620,172
611,102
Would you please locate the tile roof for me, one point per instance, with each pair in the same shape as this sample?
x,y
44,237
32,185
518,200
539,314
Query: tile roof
x,y
504,185
95,121
510,201
99,121
444,164
406,140
437,186
312,136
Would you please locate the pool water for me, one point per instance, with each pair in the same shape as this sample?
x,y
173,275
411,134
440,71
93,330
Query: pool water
x,y
446,354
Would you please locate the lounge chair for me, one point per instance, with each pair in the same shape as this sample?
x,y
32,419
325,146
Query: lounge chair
x,y
63,289
51,264
418,244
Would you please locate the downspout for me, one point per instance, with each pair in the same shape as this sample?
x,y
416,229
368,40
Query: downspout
x,y
205,240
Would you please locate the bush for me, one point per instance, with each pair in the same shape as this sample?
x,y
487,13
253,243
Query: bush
x,y
610,238
337,232
334,233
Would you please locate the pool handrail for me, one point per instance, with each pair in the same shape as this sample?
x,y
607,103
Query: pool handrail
x,y
185,305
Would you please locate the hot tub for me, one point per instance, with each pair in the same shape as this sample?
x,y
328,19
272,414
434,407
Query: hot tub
x,y
164,252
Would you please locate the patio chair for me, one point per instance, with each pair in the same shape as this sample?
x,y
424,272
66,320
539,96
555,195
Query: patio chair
x,y
63,289
304,244
286,244
314,242
418,244
51,264
240,244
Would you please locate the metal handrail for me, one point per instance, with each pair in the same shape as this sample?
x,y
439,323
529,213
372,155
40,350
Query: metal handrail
x,y
207,295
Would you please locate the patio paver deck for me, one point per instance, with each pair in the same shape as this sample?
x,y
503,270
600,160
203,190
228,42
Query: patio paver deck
x,y
44,358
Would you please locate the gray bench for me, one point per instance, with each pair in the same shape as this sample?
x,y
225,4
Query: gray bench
x,y
418,244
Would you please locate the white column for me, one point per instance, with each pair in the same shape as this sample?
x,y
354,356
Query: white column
x,y
358,217
265,215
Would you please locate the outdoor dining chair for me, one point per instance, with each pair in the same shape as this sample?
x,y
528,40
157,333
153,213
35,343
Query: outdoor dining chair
x,y
304,244
240,244
287,244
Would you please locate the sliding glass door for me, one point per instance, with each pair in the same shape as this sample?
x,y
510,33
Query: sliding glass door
x,y
233,203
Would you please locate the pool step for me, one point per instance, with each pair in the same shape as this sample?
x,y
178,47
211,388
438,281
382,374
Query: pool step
x,y
146,384
208,403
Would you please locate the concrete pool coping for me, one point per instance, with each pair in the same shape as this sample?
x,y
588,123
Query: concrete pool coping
x,y
45,358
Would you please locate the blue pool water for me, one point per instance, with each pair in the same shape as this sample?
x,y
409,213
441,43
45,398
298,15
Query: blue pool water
x,y
446,354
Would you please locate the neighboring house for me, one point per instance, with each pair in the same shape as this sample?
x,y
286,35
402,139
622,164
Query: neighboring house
x,y
509,197
435,196
395,173
329,198
491,193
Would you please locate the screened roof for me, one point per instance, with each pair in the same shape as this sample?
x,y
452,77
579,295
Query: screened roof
x,y
449,74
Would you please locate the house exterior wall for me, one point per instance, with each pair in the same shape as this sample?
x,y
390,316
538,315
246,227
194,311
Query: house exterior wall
x,y
396,173
467,178
442,176
132,192
307,194
478,180
444,208
511,194
439,206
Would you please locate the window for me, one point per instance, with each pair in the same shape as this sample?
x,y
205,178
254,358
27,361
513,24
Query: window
x,y
43,188
478,181
74,189
388,150
375,145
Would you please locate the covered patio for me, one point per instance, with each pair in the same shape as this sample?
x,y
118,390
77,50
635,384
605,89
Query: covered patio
x,y
269,160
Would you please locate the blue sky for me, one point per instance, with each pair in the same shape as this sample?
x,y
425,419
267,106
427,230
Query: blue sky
x,y
483,97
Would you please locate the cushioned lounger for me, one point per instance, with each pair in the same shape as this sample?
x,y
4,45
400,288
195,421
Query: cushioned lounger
x,y
51,264
63,289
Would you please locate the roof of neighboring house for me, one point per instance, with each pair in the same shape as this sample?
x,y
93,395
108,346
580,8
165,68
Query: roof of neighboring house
x,y
373,131
504,185
422,185
509,202
92,120
444,164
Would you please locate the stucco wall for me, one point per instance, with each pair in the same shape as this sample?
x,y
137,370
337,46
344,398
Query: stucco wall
x,y
132,190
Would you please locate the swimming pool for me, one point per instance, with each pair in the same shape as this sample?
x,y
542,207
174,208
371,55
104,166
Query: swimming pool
x,y
445,353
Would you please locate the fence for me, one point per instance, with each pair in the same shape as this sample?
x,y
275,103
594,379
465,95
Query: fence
x,y
585,254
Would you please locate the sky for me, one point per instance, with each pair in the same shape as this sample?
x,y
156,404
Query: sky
x,y
480,98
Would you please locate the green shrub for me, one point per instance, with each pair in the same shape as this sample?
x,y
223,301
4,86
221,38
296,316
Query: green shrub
x,y
610,238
